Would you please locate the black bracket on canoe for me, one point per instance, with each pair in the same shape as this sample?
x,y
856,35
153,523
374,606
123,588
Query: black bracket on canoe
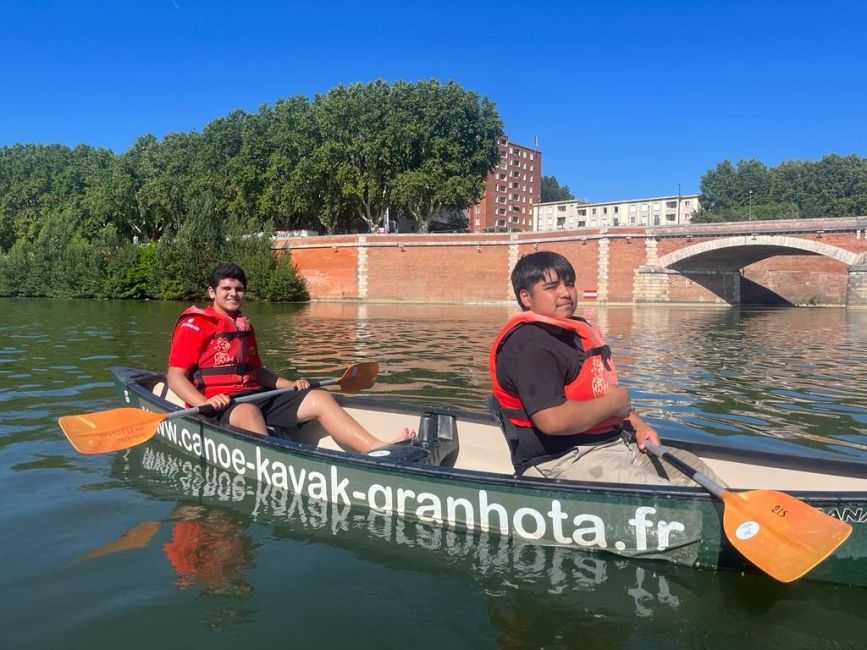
x,y
435,444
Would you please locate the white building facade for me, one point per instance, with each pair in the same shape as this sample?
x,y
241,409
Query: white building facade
x,y
656,211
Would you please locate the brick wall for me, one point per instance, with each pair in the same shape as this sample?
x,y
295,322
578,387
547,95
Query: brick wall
x,y
475,267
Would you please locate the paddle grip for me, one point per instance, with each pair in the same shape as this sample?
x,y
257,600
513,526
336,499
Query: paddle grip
x,y
208,410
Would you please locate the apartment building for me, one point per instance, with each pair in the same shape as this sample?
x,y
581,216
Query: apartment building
x,y
511,191
656,211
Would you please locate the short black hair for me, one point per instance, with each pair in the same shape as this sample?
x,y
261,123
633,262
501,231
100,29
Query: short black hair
x,y
226,270
532,268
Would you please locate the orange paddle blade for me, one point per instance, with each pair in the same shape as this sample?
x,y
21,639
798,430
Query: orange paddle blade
x,y
105,431
780,534
359,377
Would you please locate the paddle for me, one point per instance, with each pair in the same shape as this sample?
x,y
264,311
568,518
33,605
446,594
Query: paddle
x,y
781,535
106,431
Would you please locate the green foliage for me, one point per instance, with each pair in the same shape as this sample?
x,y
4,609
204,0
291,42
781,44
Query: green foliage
x,y
285,284
17,270
834,186
553,191
766,211
59,264
128,271
415,149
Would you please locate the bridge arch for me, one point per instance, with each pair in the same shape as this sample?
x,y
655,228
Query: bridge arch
x,y
808,246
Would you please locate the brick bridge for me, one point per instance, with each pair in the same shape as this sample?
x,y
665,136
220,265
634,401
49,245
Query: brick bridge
x,y
791,262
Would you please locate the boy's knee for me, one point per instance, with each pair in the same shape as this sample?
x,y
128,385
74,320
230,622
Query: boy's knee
x,y
319,397
246,416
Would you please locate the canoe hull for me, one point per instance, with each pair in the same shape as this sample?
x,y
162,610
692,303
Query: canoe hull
x,y
676,524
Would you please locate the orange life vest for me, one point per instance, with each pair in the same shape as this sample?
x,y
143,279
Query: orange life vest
x,y
229,360
596,374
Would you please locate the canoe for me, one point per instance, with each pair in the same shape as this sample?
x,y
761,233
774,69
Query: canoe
x,y
458,476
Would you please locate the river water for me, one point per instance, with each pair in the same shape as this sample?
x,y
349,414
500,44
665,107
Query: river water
x,y
114,551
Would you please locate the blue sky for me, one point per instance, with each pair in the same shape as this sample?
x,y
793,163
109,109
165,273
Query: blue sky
x,y
627,99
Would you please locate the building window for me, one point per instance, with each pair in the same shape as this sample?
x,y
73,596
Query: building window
x,y
686,203
582,223
671,217
582,212
593,211
604,210
671,204
532,157
616,221
561,208
478,209
656,220
616,209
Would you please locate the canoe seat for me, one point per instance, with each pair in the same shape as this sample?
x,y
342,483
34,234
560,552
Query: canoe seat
x,y
506,425
161,389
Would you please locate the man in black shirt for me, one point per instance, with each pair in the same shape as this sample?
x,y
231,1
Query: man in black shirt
x,y
555,381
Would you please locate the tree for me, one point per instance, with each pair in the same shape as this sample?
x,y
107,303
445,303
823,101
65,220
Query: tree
x,y
418,148
553,191
446,138
833,186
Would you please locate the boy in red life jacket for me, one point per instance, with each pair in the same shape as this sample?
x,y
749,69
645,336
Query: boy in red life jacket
x,y
214,354
555,384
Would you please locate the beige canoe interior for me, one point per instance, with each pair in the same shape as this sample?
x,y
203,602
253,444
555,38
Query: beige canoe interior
x,y
483,448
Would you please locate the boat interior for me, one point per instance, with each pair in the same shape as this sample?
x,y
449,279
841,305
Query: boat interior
x,y
475,442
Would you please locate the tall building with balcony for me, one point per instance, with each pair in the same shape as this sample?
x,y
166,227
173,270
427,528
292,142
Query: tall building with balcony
x,y
511,191
656,211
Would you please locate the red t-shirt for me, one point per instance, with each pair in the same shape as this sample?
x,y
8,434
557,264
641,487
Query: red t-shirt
x,y
194,346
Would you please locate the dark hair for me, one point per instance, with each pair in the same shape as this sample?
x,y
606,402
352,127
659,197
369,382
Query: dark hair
x,y
226,270
532,268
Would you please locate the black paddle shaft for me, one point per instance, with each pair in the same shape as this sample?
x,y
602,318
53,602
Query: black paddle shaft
x,y
699,477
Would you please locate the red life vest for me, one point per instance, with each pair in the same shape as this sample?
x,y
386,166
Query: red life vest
x,y
596,374
229,362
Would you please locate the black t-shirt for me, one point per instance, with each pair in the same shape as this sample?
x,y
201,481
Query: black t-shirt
x,y
536,362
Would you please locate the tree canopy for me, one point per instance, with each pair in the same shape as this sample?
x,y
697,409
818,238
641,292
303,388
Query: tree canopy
x,y
337,161
835,186
553,191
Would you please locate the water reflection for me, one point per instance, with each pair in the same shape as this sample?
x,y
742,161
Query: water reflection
x,y
534,596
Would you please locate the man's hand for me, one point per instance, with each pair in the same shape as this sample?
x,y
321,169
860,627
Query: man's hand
x,y
646,433
300,384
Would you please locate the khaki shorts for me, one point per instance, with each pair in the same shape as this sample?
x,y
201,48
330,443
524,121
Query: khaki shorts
x,y
618,460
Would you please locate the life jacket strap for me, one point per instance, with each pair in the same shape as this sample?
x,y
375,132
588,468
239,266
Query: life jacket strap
x,y
232,335
232,369
603,351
